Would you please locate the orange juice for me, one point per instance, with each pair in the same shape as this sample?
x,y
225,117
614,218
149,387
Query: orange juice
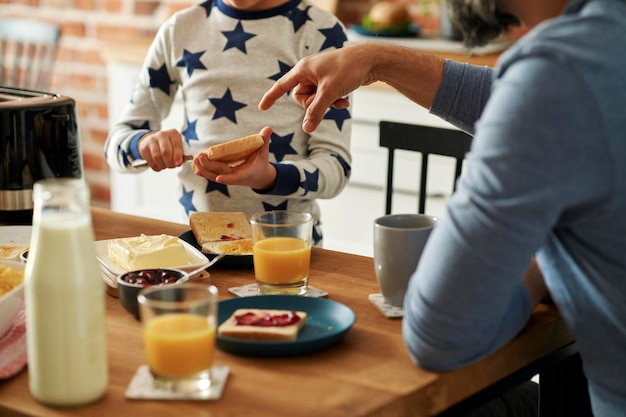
x,y
281,260
179,345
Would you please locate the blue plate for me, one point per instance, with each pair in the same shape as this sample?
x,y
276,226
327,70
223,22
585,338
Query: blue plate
x,y
327,321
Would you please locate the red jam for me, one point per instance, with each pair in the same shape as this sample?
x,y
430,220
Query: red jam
x,y
267,320
230,237
150,277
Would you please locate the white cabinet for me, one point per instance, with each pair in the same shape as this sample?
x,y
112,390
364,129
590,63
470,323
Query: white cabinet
x,y
348,218
370,106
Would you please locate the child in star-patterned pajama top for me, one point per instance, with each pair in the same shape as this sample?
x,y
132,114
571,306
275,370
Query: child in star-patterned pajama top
x,y
223,55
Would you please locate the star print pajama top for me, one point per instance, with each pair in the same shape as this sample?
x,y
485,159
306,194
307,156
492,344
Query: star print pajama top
x,y
221,61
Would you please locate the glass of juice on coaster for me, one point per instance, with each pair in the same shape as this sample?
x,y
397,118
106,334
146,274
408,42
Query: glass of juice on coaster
x,y
281,251
179,323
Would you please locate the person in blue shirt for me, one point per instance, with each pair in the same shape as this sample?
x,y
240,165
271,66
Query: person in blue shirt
x,y
541,209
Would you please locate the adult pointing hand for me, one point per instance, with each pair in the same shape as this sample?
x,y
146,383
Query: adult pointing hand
x,y
325,79
322,80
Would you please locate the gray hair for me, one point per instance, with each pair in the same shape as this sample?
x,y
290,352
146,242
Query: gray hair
x,y
479,21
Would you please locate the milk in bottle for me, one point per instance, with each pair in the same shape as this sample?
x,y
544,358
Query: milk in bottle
x,y
64,298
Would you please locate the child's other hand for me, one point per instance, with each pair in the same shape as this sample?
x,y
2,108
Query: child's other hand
x,y
256,172
162,149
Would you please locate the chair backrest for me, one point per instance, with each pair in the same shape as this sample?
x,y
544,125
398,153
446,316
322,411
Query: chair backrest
x,y
27,53
426,140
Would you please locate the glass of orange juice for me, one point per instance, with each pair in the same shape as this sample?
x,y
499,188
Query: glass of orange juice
x,y
282,251
179,323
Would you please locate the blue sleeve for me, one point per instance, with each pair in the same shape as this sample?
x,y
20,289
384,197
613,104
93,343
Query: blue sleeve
x,y
466,298
463,94
134,142
287,180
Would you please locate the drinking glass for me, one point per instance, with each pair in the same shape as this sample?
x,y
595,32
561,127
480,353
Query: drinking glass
x,y
179,324
282,251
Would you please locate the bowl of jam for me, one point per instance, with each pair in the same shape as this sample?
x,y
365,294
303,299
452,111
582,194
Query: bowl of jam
x,y
130,283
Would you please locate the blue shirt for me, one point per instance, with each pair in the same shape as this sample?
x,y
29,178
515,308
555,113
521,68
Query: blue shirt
x,y
546,177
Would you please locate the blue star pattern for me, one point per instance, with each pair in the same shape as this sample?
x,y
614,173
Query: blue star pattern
x,y
317,235
221,60
335,37
298,17
237,38
144,125
160,79
189,133
268,207
216,186
283,68
226,106
191,61
132,95
310,182
338,115
124,156
281,146
346,167
207,6
186,201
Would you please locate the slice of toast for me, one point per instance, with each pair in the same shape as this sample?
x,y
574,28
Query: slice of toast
x,y
219,226
263,324
11,251
229,247
234,152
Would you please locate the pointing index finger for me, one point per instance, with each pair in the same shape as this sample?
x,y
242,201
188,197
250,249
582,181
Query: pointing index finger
x,y
280,88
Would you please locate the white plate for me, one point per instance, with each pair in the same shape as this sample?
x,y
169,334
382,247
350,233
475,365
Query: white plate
x,y
15,235
11,301
197,261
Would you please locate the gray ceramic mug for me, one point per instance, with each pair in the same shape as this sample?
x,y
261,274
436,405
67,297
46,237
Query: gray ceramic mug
x,y
398,243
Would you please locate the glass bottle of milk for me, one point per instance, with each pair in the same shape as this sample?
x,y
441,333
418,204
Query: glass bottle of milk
x,y
64,295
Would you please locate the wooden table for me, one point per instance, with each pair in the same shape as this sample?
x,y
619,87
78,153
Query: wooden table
x,y
368,373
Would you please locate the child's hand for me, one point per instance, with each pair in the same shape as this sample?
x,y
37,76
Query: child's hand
x,y
162,149
256,172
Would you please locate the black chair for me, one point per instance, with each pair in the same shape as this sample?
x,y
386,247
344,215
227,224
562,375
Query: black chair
x,y
426,140
27,53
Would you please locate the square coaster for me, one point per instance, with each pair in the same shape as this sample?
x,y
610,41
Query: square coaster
x,y
252,289
387,310
141,387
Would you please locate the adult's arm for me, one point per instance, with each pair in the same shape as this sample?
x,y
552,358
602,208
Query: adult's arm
x,y
537,158
323,80
463,94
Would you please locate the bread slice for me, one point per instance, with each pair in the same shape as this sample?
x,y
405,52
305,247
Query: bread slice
x,y
285,324
219,226
229,247
11,251
236,151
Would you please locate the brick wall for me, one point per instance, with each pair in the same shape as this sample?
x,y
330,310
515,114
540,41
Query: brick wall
x,y
80,71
